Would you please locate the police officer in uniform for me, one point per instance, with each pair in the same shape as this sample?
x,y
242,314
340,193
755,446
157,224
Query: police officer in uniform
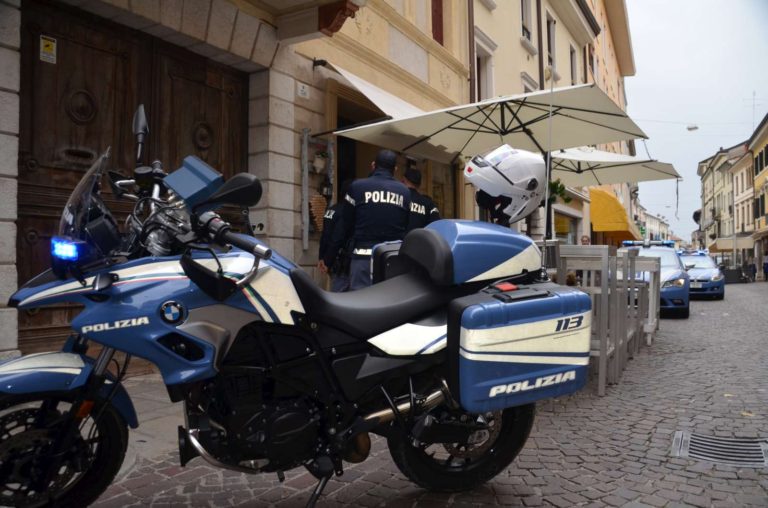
x,y
339,267
423,209
374,210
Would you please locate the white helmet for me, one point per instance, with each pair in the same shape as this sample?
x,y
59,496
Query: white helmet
x,y
518,175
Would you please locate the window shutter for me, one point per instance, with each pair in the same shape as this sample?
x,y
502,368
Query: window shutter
x,y
437,20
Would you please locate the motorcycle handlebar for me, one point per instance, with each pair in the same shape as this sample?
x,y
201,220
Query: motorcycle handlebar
x,y
220,232
247,244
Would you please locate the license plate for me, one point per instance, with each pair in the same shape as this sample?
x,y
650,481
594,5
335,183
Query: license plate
x,y
696,285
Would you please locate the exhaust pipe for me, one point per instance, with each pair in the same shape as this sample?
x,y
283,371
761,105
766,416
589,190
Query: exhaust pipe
x,y
432,400
193,436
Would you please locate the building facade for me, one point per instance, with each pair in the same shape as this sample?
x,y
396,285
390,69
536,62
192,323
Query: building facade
x,y
758,150
609,59
725,198
522,46
742,183
656,227
526,45
259,86
237,83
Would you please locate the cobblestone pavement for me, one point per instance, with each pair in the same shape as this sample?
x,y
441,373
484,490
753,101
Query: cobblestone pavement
x,y
706,374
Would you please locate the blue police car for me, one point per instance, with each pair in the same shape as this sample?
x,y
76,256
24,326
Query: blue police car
x,y
706,278
675,282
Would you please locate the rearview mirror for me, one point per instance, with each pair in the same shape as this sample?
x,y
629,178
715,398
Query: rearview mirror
x,y
140,130
688,267
243,189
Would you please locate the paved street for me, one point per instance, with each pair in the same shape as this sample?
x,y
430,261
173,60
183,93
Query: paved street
x,y
706,374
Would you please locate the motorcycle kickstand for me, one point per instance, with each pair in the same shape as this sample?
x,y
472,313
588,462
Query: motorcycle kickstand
x,y
322,469
318,491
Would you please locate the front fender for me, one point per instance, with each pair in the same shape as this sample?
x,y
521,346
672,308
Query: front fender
x,y
59,372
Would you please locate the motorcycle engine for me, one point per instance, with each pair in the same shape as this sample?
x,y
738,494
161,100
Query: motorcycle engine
x,y
284,432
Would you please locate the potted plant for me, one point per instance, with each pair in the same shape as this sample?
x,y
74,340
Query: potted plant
x,y
320,161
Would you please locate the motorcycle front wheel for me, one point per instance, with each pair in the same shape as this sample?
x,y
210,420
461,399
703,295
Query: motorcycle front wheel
x,y
456,467
28,428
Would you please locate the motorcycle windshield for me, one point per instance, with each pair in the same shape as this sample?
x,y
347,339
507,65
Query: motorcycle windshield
x,y
81,202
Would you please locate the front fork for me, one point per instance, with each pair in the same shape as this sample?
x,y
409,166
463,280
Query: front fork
x,y
80,410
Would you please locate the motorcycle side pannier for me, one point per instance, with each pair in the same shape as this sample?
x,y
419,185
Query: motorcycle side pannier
x,y
511,345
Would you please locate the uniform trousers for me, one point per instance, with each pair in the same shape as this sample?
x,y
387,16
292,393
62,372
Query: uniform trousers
x,y
340,282
359,272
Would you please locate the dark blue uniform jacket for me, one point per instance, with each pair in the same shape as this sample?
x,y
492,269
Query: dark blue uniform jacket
x,y
375,210
330,221
423,210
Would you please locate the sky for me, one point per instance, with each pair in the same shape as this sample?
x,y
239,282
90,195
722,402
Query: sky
x,y
698,62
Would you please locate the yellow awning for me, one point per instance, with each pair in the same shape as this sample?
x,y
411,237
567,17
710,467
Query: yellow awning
x,y
609,216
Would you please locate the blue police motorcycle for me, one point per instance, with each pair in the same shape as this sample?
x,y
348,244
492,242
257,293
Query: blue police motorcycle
x,y
444,357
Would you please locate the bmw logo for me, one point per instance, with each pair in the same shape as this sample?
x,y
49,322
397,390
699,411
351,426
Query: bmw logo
x,y
172,312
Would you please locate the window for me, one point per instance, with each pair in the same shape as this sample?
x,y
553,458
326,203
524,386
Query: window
x,y
525,11
529,84
437,20
483,75
566,229
741,216
484,48
573,66
550,41
756,170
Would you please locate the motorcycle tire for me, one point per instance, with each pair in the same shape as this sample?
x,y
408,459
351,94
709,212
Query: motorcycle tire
x,y
22,446
429,472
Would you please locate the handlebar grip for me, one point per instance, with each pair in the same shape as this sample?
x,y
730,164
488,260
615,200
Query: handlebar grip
x,y
247,244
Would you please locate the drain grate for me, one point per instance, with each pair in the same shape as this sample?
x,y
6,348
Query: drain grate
x,y
736,452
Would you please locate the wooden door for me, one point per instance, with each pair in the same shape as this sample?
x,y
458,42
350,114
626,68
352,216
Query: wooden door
x,y
200,108
73,108
77,106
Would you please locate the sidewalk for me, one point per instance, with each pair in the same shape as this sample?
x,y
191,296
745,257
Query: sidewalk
x,y
706,374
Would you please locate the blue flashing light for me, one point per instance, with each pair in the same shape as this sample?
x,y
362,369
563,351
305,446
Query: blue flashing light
x,y
64,249
648,243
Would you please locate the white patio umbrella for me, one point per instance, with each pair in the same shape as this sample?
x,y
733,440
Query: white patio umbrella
x,y
580,115
585,166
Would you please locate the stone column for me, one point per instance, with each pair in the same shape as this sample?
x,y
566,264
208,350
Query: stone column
x,y
273,147
284,100
10,63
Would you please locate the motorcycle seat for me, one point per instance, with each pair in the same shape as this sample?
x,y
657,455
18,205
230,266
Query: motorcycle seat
x,y
375,309
428,250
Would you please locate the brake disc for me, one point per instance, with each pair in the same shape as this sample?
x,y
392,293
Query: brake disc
x,y
479,441
21,453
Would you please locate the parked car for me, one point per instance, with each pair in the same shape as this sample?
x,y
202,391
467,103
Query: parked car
x,y
675,282
707,279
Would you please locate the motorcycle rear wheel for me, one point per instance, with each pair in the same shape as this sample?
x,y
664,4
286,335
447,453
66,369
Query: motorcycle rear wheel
x,y
27,428
459,467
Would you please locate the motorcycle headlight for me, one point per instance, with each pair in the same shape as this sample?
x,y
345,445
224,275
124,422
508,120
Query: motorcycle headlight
x,y
674,283
717,277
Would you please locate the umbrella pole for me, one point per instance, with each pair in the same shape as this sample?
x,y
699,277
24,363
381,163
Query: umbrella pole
x,y
548,173
548,220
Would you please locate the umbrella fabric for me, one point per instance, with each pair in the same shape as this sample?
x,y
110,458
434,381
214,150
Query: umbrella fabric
x,y
586,166
581,115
